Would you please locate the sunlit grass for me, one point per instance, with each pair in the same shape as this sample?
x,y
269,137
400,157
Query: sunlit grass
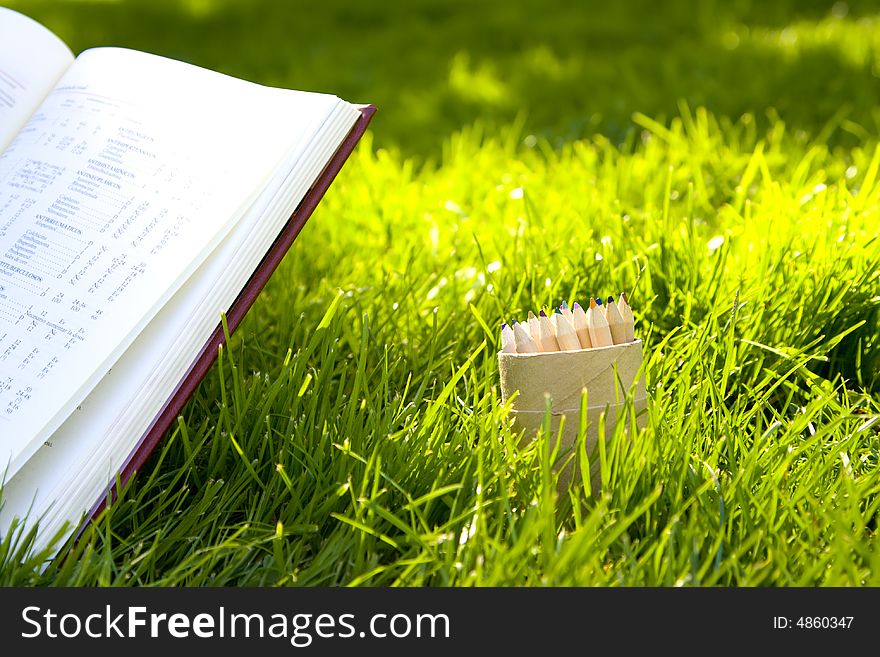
x,y
855,41
362,390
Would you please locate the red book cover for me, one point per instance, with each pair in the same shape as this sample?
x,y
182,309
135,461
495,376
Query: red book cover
x,y
234,316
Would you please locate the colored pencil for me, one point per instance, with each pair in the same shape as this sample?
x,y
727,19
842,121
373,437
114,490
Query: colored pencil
x,y
548,334
524,342
600,334
615,322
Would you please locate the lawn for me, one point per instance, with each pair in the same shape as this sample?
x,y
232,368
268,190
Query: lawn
x,y
720,164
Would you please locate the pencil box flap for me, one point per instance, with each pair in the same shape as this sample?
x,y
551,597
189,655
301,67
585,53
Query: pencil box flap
x,y
608,374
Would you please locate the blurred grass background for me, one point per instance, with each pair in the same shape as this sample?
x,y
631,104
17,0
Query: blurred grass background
x,y
693,154
570,67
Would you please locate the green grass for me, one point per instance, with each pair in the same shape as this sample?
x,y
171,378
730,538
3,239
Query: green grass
x,y
722,166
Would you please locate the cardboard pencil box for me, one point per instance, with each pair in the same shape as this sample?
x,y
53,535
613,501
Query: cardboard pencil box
x,y
611,376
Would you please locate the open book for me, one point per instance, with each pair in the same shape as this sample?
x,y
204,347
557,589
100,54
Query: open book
x,y
140,198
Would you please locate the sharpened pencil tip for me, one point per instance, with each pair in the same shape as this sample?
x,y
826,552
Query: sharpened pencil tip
x,y
624,297
592,302
531,315
577,306
543,314
563,305
503,326
599,300
610,299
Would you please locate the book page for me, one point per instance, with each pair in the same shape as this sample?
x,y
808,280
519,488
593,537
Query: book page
x,y
119,186
85,452
32,59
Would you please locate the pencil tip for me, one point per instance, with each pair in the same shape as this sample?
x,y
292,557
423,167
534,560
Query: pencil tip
x,y
577,306
599,300
543,314
503,326
531,315
610,299
592,302
564,305
624,297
